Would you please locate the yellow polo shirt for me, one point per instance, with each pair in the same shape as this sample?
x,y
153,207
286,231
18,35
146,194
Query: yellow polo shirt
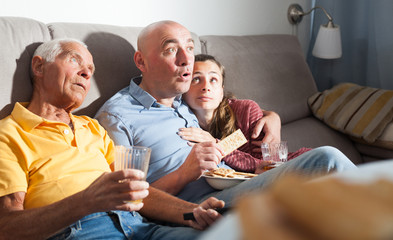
x,y
47,160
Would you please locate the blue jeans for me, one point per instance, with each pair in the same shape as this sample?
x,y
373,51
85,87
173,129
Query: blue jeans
x,y
122,225
316,162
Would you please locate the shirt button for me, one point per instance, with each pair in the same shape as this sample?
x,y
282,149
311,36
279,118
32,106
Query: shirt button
x,y
66,131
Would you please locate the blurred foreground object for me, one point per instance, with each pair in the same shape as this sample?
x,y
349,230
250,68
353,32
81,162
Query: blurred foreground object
x,y
326,209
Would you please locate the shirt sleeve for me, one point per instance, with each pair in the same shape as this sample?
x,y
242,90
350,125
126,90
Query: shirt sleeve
x,y
13,173
247,114
110,149
117,130
241,161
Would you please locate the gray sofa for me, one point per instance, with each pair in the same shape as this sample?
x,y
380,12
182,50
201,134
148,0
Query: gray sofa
x,y
269,69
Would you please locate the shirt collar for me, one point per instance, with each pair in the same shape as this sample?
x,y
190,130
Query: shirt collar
x,y
24,117
144,98
177,102
78,122
29,120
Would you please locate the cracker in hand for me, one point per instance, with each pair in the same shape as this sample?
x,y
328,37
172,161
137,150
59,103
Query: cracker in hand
x,y
232,142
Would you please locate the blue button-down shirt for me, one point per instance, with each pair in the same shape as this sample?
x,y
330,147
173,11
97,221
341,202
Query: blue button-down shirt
x,y
133,117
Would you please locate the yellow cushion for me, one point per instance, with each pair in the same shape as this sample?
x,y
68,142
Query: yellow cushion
x,y
361,112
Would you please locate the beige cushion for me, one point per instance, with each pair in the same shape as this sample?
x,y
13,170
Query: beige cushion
x,y
364,113
19,37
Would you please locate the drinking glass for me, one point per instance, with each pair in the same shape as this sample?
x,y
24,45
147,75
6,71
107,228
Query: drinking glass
x,y
275,152
282,150
135,157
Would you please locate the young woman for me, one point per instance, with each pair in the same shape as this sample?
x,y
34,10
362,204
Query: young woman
x,y
219,115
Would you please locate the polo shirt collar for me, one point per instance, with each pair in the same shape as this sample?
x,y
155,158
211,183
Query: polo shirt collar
x,y
144,98
24,117
78,122
29,120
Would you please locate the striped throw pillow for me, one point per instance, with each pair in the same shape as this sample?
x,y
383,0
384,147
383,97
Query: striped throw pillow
x,y
362,112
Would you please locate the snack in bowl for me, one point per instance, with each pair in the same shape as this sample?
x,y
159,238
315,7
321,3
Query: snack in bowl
x,y
222,178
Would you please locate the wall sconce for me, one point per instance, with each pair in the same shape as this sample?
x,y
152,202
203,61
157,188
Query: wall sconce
x,y
328,41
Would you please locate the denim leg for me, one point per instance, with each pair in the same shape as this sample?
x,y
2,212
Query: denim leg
x,y
136,229
152,231
317,162
99,225
122,225
175,233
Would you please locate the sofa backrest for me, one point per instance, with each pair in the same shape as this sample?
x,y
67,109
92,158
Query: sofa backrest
x,y
112,47
19,37
269,69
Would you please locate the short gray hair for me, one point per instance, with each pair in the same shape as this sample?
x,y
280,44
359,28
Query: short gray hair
x,y
49,50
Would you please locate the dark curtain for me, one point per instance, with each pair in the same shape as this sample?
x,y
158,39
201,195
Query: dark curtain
x,y
367,43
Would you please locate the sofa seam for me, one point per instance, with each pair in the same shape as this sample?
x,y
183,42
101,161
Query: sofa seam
x,y
203,46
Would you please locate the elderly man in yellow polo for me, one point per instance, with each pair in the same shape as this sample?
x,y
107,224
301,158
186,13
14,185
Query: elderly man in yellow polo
x,y
55,177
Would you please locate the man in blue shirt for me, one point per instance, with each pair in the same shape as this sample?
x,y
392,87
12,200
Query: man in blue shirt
x,y
150,111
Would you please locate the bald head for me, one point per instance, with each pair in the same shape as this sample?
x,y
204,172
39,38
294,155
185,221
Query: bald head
x,y
155,29
165,58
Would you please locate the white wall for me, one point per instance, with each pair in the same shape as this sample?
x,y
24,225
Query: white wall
x,y
204,17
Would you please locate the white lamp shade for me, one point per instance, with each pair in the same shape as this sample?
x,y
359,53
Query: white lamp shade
x,y
328,43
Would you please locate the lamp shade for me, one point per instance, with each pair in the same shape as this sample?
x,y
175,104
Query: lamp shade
x,y
328,42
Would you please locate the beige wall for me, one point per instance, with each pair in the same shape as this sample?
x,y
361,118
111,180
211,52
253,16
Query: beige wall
x,y
204,17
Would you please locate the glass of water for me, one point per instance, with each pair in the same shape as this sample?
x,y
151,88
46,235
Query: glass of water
x,y
282,149
135,157
275,152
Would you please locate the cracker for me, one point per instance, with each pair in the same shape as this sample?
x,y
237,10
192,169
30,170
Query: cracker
x,y
228,173
232,142
247,175
223,172
220,172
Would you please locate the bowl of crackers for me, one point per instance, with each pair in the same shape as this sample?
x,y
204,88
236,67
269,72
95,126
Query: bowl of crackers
x,y
222,178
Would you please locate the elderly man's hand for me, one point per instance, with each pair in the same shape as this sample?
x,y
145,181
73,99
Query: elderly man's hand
x,y
205,214
112,191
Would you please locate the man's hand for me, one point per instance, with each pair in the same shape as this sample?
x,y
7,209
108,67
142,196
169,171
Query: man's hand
x,y
205,214
203,156
270,125
113,190
107,192
195,135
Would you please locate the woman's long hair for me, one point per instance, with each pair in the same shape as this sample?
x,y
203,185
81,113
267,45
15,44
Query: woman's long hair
x,y
223,122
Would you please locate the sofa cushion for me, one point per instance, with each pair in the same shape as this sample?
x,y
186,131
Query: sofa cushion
x,y
373,151
19,37
311,132
269,69
364,113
